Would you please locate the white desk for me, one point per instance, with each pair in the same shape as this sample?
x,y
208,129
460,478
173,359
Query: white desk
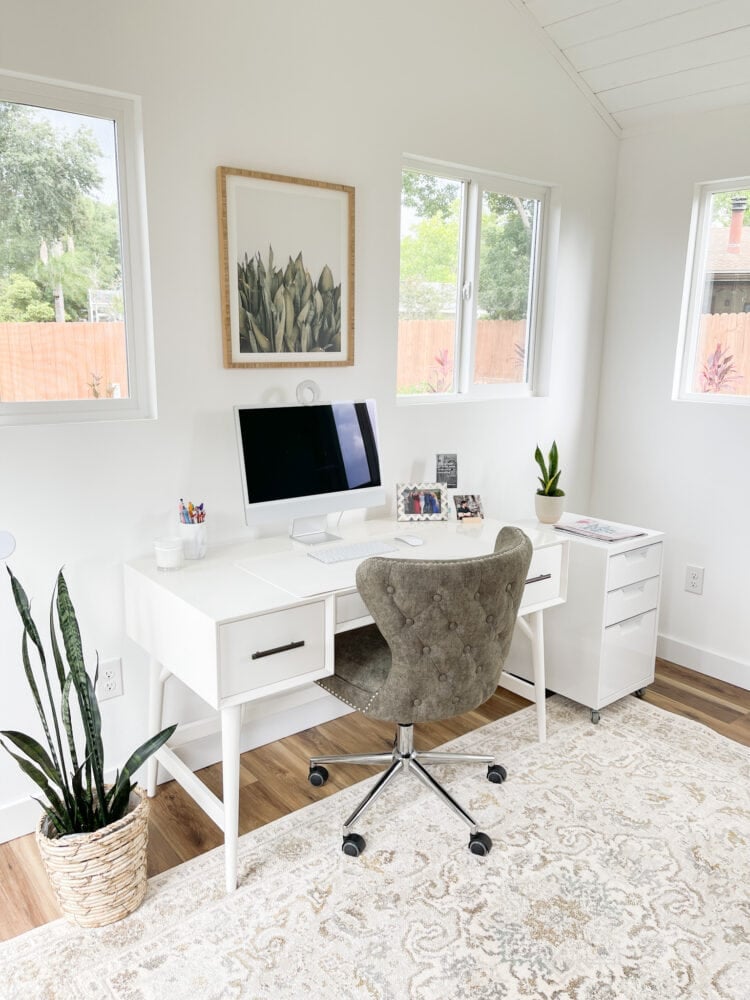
x,y
259,618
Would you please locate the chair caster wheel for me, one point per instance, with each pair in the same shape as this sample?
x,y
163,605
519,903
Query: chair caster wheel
x,y
353,845
480,843
318,775
640,692
496,773
595,716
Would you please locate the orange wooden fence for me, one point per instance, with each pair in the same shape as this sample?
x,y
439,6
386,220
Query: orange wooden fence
x,y
499,357
40,361
732,332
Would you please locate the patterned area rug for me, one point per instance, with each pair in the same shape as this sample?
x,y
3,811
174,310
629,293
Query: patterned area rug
x,y
620,869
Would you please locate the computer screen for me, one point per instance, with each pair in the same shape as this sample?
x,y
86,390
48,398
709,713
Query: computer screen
x,y
308,460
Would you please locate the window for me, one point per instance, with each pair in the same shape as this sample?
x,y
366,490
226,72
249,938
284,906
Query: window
x,y
714,354
75,327
471,250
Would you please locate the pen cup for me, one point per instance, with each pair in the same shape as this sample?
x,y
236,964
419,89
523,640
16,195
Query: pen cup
x,y
168,552
193,540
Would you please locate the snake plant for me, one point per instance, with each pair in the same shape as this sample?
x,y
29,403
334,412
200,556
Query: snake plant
x,y
70,777
550,472
283,310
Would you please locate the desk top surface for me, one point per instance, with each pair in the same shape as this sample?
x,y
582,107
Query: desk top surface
x,y
263,574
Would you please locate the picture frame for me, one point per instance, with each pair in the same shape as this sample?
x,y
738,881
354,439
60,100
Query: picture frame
x,y
446,469
413,498
468,506
286,258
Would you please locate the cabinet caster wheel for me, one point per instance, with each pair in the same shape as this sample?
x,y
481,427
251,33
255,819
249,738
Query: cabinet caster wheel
x,y
318,775
480,843
640,692
595,716
353,845
496,773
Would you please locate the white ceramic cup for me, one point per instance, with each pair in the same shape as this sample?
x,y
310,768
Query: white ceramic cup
x,y
193,539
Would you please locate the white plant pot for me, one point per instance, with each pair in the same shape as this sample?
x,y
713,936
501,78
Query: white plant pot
x,y
549,510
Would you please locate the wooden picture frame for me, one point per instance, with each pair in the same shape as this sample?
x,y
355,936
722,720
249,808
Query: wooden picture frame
x,y
286,256
468,506
422,502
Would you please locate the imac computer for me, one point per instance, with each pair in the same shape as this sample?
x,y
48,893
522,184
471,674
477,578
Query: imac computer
x,y
300,463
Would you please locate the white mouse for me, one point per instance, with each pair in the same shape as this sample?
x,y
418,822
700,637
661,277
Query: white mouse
x,y
410,539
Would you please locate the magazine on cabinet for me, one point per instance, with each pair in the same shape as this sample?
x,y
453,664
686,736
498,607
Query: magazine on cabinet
x,y
601,531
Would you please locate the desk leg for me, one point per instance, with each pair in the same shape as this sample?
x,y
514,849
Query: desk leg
x,y
231,723
157,680
537,660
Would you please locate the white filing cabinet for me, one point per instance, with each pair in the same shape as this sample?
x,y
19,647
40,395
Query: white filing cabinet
x,y
601,644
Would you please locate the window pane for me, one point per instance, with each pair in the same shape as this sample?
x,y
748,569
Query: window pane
x,y
721,363
62,330
431,211
506,252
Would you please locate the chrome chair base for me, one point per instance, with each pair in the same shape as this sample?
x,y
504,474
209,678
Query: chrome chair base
x,y
404,758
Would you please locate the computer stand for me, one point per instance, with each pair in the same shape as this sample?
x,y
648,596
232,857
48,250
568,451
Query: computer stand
x,y
312,530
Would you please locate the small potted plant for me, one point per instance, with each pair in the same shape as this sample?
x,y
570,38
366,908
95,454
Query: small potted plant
x,y
549,500
92,837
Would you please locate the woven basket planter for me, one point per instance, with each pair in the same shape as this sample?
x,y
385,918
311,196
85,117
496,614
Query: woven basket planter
x,y
99,877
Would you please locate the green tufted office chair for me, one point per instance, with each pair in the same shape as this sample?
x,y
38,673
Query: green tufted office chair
x,y
442,631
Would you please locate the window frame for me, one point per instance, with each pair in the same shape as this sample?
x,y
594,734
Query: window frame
x,y
543,257
125,111
694,281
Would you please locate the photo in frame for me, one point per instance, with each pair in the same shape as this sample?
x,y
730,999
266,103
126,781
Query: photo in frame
x,y
286,254
422,502
468,506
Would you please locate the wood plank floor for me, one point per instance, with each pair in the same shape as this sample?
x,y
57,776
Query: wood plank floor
x,y
179,830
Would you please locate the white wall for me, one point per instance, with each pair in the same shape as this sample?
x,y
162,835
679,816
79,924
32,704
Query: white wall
x,y
335,91
682,467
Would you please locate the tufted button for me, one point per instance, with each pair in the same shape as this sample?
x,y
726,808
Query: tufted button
x,y
389,590
452,626
408,621
426,650
490,619
467,649
509,588
436,597
456,699
442,677
417,702
477,596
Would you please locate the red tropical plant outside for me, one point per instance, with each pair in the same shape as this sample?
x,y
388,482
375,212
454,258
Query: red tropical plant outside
x,y
719,371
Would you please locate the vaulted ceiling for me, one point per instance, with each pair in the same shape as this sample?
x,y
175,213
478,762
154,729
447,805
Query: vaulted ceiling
x,y
639,60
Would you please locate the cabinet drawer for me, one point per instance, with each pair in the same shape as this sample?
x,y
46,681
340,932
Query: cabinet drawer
x,y
636,564
627,656
350,607
627,602
257,652
543,579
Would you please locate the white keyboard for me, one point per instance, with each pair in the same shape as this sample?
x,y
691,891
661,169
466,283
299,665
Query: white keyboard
x,y
353,550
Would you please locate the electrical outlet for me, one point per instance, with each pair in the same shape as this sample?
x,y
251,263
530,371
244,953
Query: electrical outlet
x,y
109,684
694,579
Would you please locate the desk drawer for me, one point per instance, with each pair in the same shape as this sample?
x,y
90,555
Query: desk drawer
x,y
256,652
350,607
636,564
627,602
627,656
544,576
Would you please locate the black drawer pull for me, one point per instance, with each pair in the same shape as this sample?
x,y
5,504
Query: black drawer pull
x,y
277,649
538,579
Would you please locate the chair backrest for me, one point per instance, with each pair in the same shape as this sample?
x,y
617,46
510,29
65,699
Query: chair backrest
x,y
449,625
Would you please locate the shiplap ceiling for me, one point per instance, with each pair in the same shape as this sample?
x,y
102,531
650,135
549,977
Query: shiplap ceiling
x,y
639,60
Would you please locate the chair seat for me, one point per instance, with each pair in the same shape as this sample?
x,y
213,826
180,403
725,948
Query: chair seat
x,y
363,659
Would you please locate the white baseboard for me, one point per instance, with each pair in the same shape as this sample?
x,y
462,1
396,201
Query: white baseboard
x,y
199,743
704,661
